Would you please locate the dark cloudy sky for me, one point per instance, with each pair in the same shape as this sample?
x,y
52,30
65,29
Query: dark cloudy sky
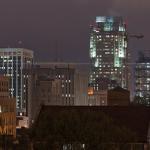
x,y
61,27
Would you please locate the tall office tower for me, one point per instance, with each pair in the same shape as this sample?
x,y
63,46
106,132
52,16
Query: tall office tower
x,y
16,63
142,80
108,53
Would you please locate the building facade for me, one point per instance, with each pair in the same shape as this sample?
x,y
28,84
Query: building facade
x,y
97,98
7,109
74,81
13,63
46,91
113,97
108,53
118,97
142,79
62,72
54,83
81,88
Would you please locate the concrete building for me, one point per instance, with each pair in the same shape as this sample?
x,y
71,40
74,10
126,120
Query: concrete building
x,y
66,75
74,80
58,84
81,88
17,63
108,53
46,91
118,97
97,98
62,72
113,97
7,109
13,63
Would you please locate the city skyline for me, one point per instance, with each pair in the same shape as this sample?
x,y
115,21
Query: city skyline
x,y
60,30
74,75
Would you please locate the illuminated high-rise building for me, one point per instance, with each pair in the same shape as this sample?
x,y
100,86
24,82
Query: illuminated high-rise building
x,y
142,80
108,53
16,63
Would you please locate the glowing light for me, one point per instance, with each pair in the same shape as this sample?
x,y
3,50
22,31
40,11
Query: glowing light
x,y
90,91
100,19
92,47
96,63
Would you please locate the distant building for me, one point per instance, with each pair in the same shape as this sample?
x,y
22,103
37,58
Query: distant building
x,y
7,109
118,97
74,80
81,88
113,97
108,53
13,63
46,91
58,84
64,73
142,79
97,98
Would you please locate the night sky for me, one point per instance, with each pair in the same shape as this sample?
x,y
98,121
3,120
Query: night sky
x,y
60,28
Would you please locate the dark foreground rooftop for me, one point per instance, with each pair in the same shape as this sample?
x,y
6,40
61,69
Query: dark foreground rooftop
x,y
134,118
